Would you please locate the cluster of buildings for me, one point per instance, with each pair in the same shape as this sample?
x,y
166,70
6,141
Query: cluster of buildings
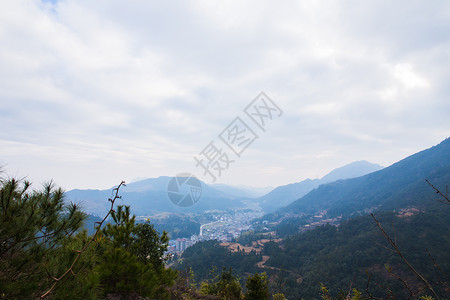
x,y
229,226
223,231
319,220
224,228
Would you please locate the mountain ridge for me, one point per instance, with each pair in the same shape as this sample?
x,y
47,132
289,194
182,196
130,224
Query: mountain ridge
x,y
400,185
285,194
150,196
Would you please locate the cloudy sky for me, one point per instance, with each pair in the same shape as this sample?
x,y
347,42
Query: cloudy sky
x,y
95,92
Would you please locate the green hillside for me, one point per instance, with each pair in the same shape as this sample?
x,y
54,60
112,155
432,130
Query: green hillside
x,y
398,186
342,257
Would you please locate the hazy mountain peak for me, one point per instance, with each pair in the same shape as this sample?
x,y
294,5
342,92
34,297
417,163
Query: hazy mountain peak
x,y
351,170
283,195
398,186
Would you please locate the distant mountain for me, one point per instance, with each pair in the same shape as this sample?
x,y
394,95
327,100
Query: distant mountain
x,y
352,170
284,195
392,188
149,196
242,191
90,223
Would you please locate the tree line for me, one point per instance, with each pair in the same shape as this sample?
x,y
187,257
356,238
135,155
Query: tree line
x,y
45,253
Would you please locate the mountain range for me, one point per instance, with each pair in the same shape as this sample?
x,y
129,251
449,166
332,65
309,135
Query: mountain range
x,y
354,189
354,251
284,195
149,196
398,186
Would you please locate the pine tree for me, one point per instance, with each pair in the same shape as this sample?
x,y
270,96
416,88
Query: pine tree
x,y
257,287
33,226
132,258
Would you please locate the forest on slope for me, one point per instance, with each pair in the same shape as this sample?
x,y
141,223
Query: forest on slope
x,y
397,186
45,253
344,256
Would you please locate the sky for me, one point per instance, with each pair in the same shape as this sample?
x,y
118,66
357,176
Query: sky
x,y
96,92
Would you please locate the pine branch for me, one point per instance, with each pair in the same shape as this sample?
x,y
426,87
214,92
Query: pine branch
x,y
91,240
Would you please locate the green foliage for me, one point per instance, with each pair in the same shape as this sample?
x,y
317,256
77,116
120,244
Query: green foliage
x,y
279,296
132,259
325,294
85,283
177,226
149,246
33,226
122,273
354,294
40,241
341,256
289,226
246,238
204,256
271,248
120,232
91,223
257,287
224,285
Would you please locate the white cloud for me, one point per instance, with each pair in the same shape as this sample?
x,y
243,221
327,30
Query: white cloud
x,y
94,92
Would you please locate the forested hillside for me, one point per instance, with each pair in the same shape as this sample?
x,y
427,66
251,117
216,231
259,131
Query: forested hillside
x,y
397,186
345,256
284,195
398,251
355,255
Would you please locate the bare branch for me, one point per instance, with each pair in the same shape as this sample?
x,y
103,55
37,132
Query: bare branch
x,y
383,246
442,281
394,245
411,294
91,240
440,193
395,234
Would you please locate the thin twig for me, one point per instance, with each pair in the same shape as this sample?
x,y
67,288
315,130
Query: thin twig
x,y
411,294
369,294
383,246
439,192
436,265
394,245
92,239
393,230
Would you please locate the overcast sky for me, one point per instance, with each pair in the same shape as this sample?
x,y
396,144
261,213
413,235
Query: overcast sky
x,y
95,92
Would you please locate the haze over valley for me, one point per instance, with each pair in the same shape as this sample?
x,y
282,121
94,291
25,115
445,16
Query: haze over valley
x,y
235,150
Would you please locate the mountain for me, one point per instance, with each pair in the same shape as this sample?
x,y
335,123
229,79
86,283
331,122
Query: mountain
x,y
150,196
242,191
284,195
398,186
351,170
